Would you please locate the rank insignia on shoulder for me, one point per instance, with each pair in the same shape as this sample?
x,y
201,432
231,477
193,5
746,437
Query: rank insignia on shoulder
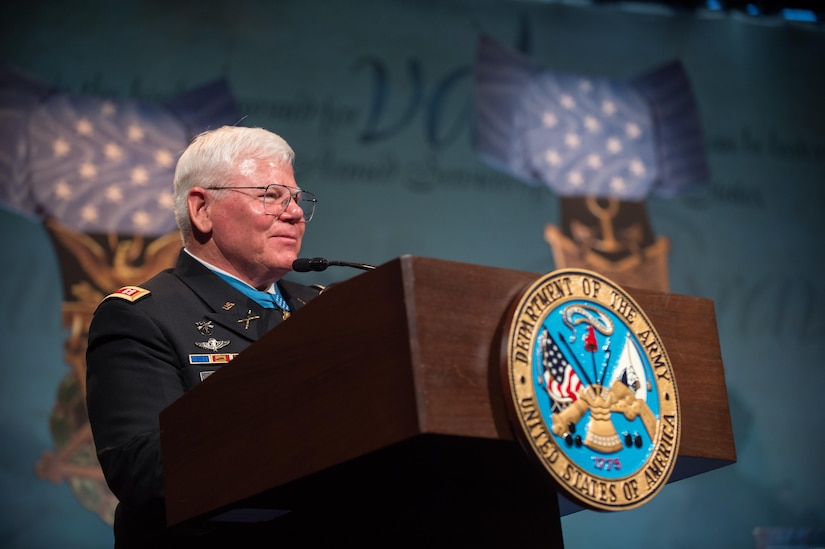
x,y
130,293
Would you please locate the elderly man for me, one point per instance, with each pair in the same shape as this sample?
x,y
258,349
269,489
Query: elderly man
x,y
242,218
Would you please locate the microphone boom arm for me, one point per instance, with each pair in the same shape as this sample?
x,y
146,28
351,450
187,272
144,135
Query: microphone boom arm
x,y
304,265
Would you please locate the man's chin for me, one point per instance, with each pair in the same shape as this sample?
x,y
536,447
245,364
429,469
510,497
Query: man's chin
x,y
283,264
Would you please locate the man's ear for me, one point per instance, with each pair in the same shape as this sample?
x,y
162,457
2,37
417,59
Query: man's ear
x,y
199,212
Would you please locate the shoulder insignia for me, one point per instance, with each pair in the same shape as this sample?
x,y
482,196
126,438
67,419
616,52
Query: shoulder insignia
x,y
129,293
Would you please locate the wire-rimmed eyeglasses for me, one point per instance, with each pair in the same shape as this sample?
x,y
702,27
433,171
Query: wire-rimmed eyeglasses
x,y
277,197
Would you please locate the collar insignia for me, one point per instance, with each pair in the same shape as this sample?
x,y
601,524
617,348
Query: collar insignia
x,y
249,318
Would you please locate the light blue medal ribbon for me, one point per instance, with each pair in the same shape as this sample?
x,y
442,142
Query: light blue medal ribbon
x,y
266,300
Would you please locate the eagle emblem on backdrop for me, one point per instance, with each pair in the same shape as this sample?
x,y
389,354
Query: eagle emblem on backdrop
x,y
603,145
97,172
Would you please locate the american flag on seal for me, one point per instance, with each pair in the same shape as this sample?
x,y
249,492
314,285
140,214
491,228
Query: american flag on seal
x,y
558,376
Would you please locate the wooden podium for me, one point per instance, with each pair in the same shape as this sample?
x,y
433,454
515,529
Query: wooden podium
x,y
379,405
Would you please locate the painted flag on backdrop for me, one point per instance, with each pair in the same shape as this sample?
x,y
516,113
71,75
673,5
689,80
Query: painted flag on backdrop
x,y
587,136
19,96
99,165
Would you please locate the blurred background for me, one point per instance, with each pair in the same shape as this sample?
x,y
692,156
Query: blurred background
x,y
380,100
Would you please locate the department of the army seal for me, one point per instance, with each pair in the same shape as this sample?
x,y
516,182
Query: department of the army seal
x,y
591,390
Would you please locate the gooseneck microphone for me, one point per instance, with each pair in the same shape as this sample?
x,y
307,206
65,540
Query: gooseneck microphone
x,y
305,264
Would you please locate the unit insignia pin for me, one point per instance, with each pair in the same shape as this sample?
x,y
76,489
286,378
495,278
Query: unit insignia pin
x,y
228,305
205,326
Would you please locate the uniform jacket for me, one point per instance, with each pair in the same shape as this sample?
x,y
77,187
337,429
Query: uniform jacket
x,y
147,346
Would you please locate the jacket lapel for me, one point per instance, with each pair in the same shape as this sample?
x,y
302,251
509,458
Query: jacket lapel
x,y
228,307
232,309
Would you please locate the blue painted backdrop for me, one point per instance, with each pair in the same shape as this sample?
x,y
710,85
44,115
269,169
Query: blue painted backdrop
x,y
374,95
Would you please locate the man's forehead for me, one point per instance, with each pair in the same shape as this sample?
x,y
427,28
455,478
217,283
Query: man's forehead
x,y
250,166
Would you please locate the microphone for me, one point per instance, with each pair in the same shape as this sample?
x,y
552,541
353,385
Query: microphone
x,y
305,265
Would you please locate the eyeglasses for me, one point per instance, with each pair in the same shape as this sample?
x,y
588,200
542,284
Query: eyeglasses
x,y
277,198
